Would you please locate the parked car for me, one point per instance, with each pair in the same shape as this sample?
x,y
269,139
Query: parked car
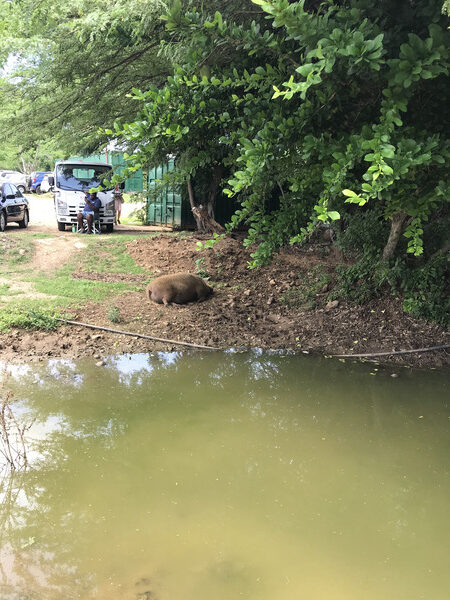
x,y
13,206
16,177
36,180
45,184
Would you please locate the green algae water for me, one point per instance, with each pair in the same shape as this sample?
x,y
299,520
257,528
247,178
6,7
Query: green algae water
x,y
227,476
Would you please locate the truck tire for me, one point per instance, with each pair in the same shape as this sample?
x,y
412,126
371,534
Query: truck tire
x,y
38,189
2,221
61,226
109,227
21,189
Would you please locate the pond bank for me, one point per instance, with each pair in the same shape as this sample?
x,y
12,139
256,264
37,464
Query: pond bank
x,y
284,305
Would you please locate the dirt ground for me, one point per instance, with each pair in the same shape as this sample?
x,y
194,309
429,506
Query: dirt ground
x,y
249,308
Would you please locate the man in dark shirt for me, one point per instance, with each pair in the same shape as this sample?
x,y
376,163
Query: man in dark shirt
x,y
91,209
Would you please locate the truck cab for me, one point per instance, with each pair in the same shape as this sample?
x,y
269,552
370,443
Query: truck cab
x,y
71,180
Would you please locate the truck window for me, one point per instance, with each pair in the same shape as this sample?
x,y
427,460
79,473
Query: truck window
x,y
81,178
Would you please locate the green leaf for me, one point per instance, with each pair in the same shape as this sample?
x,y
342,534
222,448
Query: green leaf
x,y
334,215
305,70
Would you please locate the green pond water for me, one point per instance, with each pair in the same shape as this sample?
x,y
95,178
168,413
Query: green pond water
x,y
221,476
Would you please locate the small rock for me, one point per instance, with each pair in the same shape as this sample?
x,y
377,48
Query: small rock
x,y
97,336
274,318
272,282
100,363
324,288
331,304
270,300
394,375
246,292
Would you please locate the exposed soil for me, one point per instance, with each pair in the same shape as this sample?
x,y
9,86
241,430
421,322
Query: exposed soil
x,y
249,308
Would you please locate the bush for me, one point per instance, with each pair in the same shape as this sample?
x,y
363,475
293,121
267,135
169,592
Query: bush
x,y
363,232
425,291
14,315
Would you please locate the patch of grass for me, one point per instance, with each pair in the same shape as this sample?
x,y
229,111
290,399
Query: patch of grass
x,y
5,290
80,289
29,314
108,255
113,314
14,251
42,236
63,271
103,254
306,294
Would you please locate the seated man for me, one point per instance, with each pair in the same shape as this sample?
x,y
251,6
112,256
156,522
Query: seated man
x,y
91,209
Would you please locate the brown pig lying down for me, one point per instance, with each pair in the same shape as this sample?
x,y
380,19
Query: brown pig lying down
x,y
179,288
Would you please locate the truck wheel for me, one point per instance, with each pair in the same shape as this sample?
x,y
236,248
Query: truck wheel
x,y
21,189
61,226
38,189
2,221
109,227
24,222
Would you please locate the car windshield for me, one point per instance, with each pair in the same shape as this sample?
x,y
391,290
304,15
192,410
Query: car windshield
x,y
81,177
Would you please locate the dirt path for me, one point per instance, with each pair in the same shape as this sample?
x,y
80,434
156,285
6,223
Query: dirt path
x,y
51,253
261,308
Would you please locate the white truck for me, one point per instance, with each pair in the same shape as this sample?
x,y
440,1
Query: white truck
x,y
71,179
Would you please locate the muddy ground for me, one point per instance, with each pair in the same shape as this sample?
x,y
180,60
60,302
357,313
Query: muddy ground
x,y
249,308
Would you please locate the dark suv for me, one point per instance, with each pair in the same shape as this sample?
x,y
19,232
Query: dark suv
x,y
13,206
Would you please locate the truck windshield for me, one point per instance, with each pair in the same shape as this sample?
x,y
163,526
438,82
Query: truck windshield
x,y
81,177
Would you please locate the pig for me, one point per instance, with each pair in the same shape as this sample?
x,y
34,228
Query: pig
x,y
179,288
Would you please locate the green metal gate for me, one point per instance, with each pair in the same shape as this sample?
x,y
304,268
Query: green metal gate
x,y
164,206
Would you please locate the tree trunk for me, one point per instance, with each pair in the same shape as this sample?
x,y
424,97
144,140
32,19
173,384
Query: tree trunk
x,y
213,186
397,225
28,167
203,215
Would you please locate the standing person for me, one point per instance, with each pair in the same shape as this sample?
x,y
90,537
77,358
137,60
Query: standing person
x,y
91,208
118,199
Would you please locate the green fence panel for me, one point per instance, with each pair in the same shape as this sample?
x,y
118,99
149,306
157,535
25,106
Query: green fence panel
x,y
134,183
163,205
167,207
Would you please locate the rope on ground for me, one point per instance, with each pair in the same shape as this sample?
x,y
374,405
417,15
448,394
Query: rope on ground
x,y
429,349
139,335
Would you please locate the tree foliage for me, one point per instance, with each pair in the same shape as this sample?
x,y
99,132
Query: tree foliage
x,y
72,65
314,110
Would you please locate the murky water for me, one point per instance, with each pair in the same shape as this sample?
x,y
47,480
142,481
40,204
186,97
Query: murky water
x,y
226,476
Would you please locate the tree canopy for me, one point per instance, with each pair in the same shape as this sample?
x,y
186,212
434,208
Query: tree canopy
x,y
313,111
73,67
